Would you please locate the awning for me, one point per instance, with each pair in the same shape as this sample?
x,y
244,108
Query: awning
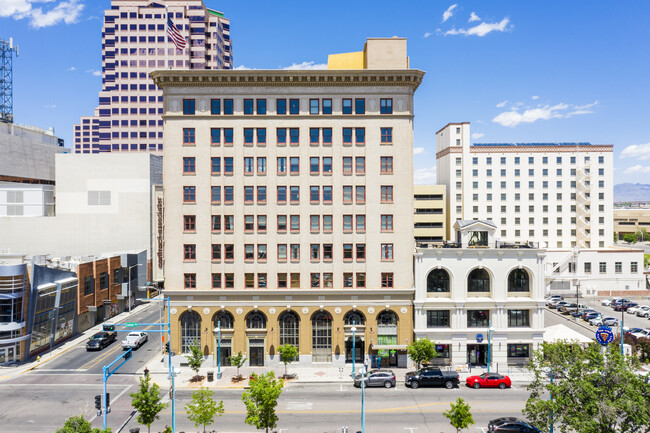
x,y
560,332
389,347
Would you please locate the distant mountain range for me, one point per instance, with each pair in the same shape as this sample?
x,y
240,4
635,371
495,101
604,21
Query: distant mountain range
x,y
631,192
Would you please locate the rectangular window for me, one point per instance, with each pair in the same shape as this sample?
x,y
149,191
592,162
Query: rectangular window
x,y
261,252
295,280
228,165
189,252
314,106
347,135
189,136
314,165
229,252
386,279
282,223
216,252
294,251
347,165
602,267
327,223
282,252
282,136
249,194
248,135
248,165
282,281
359,106
518,350
347,106
216,281
216,223
294,106
327,194
314,223
189,166
347,223
386,106
281,106
261,223
215,165
229,223
634,267
294,223
215,106
261,194
294,135
327,252
361,252
327,106
438,319
282,194
347,252
386,165
327,136
360,166
261,106
386,223
189,281
361,223
618,267
228,194
314,194
314,252
249,223
361,280
294,165
261,135
189,194
282,165
215,194
387,252
360,194
327,165
314,135
248,106
228,136
360,135
228,106
386,135
189,106
518,318
261,165
229,281
478,318
215,135
347,194
295,194
387,194
189,223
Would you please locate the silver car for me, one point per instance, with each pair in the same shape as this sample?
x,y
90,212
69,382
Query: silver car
x,y
385,378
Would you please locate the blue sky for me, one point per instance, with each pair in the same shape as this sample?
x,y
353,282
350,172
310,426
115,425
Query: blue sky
x,y
542,71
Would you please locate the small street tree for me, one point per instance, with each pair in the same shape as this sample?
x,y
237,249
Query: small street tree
x,y
630,238
598,390
288,353
421,351
261,399
203,408
147,401
195,358
238,361
459,415
78,424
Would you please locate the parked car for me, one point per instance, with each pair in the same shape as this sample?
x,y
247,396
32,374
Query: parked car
x,y
503,425
641,333
554,303
431,377
633,310
488,380
624,306
134,340
554,298
629,331
596,320
559,305
619,301
587,317
643,311
586,311
609,321
385,378
100,340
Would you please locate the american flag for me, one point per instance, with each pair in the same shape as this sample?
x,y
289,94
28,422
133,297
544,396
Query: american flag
x,y
175,35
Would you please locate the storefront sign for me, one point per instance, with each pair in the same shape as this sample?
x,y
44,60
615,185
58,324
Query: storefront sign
x,y
604,335
159,214
479,338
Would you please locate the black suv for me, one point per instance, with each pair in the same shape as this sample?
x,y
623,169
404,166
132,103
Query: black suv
x,y
429,376
101,340
510,425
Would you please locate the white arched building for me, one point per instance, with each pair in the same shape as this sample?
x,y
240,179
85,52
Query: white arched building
x,y
477,291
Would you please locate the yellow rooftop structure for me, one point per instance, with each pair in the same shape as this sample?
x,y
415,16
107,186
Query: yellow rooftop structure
x,y
378,53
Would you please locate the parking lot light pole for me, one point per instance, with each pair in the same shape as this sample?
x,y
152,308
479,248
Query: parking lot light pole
x,y
621,327
219,350
354,352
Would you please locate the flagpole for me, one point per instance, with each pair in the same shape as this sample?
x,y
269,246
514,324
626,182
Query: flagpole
x,y
166,36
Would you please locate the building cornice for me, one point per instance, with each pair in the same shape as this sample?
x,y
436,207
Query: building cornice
x,y
541,149
284,78
448,150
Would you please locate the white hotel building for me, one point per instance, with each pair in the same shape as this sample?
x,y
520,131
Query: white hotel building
x,y
557,194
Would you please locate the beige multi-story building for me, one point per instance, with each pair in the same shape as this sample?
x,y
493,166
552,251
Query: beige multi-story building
x,y
557,195
134,43
631,221
289,221
430,220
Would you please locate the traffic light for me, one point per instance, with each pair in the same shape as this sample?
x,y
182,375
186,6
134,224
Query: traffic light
x,y
108,399
108,328
98,402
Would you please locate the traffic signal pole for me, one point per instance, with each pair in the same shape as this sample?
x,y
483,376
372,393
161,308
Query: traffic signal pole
x,y
107,374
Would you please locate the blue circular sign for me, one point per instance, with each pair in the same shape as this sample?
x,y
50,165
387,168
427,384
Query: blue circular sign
x,y
604,335
479,338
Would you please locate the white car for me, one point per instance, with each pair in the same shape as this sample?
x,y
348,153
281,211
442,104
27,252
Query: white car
x,y
633,310
134,340
553,299
645,333
643,311
595,321
608,302
609,321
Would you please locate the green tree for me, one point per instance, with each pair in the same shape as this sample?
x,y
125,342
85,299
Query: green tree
x,y
645,236
288,353
203,408
459,415
421,351
597,390
261,399
78,424
147,401
195,358
238,360
630,238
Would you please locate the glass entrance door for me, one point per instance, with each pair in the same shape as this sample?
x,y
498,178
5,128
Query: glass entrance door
x,y
256,352
477,354
359,349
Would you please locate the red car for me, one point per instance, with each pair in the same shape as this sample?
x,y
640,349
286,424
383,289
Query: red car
x,y
489,380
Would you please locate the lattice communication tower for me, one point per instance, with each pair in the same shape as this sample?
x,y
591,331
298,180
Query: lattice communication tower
x,y
7,49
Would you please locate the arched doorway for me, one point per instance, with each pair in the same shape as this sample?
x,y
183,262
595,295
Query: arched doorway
x,y
387,337
256,331
357,320
289,324
321,332
226,322
190,330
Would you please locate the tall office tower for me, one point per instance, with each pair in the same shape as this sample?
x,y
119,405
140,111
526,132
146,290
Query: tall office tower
x,y
134,40
558,194
288,208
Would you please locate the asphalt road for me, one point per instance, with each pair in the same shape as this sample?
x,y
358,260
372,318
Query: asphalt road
x,y
326,408
42,399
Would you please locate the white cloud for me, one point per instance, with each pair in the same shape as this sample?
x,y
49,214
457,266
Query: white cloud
x,y
65,11
513,117
637,169
425,176
71,68
473,17
427,34
637,151
242,68
306,65
418,150
535,98
482,29
448,13
477,135
502,104
50,106
95,72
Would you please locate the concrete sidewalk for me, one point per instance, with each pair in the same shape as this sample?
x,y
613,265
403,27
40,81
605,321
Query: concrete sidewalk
x,y
158,370
8,372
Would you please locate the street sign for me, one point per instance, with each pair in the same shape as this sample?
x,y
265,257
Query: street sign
x,y
131,325
604,335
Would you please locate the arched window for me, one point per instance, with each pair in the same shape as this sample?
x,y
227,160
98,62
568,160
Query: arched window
x,y
224,319
321,333
354,318
289,329
190,330
518,281
256,320
387,328
438,281
478,281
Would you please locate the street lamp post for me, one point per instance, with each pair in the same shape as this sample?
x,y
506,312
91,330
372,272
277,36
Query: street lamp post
x,y
219,350
621,327
363,408
489,354
354,352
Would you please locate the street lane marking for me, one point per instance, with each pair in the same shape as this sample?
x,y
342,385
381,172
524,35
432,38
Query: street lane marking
x,y
112,351
299,405
58,370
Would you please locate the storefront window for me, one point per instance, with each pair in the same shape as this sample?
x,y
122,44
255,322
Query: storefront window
x,y
190,330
